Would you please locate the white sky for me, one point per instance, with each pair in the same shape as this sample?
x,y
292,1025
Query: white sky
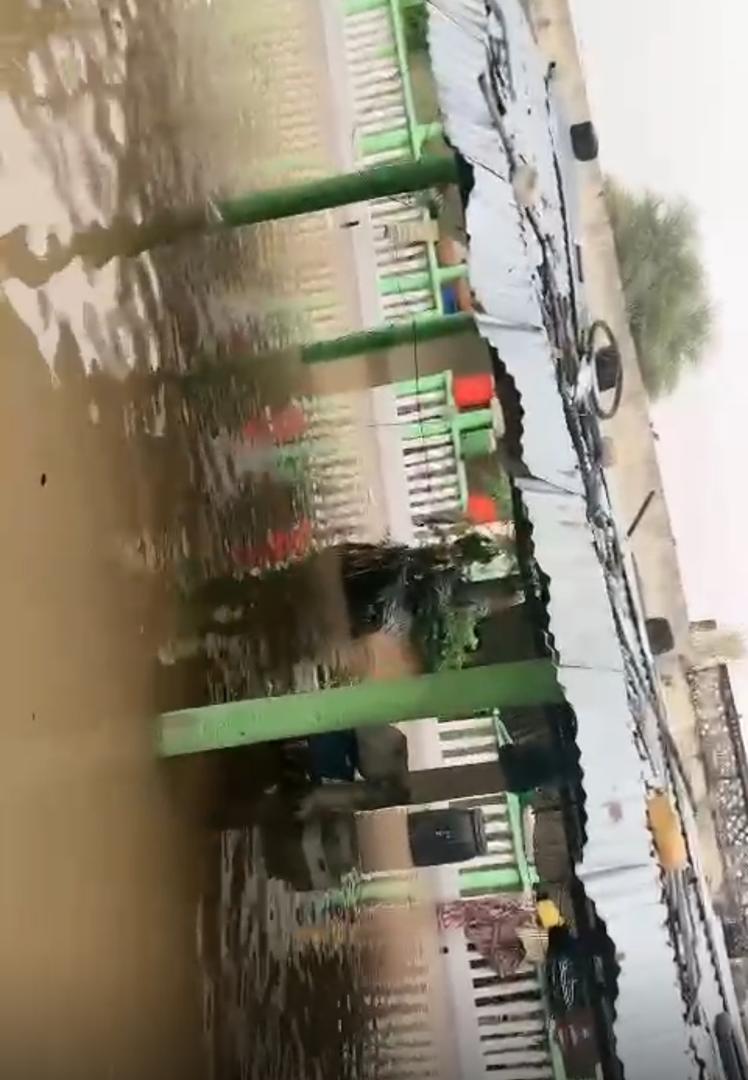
x,y
668,84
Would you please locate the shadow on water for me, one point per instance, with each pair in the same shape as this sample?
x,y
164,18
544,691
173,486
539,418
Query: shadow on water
x,y
134,942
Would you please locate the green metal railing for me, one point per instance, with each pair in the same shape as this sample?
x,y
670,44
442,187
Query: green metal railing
x,y
527,872
410,139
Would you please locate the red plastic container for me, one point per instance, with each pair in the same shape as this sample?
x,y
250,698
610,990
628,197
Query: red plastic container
x,y
473,391
288,424
481,509
284,426
280,546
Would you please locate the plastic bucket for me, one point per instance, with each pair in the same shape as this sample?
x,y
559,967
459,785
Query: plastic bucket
x,y
473,391
481,509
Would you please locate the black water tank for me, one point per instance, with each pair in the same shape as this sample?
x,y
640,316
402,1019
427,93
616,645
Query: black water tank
x,y
438,837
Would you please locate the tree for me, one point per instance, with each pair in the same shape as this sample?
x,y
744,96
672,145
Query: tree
x,y
664,282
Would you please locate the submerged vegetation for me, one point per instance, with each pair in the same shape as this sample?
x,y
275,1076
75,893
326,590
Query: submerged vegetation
x,y
420,593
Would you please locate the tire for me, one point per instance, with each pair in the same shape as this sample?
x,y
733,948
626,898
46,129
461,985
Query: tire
x,y
607,365
608,369
660,635
584,141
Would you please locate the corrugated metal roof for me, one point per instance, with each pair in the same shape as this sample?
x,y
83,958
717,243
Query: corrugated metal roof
x,y
619,868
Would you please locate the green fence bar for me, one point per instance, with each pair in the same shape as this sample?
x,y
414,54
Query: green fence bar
x,y
401,48
382,141
399,139
422,385
447,694
421,279
427,429
358,7
527,872
474,420
490,880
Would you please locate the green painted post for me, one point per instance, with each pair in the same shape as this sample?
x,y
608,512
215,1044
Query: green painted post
x,y
447,694
427,327
378,182
421,329
528,874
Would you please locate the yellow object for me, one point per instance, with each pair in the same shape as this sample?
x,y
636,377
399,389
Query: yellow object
x,y
666,832
548,914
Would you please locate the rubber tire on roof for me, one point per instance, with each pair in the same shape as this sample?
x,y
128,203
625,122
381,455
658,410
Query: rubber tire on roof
x,y
660,636
584,141
607,366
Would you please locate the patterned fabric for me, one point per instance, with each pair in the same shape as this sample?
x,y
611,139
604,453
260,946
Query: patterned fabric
x,y
492,925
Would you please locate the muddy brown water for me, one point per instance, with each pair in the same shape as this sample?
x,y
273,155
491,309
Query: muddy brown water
x,y
133,943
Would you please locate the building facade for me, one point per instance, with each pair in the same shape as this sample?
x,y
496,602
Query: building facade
x,y
726,767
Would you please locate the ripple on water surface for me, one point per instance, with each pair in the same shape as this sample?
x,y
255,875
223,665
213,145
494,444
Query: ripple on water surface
x,y
109,113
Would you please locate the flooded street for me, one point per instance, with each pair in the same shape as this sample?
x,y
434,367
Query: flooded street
x,y
314,597
135,943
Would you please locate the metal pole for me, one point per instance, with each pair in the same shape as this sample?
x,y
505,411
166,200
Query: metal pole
x,y
640,514
446,694
427,327
378,182
421,329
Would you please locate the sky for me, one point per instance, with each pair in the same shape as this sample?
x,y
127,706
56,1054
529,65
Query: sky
x,y
667,87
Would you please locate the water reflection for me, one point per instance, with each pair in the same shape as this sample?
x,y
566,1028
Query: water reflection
x,y
135,942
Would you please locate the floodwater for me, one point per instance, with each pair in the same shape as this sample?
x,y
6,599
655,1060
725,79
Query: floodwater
x,y
134,942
